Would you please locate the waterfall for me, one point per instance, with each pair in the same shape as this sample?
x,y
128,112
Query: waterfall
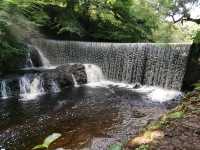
x,y
94,73
4,94
75,82
151,64
44,60
30,89
54,87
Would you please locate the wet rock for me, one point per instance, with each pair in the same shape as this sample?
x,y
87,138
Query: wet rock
x,y
137,85
78,70
35,57
63,76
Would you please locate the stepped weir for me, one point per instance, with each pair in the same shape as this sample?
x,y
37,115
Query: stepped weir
x,y
155,64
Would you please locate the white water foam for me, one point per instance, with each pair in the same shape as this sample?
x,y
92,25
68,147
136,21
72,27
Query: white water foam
x,y
30,90
94,73
54,87
158,94
155,94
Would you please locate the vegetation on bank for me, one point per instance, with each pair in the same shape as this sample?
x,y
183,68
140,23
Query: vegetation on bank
x,y
13,28
158,133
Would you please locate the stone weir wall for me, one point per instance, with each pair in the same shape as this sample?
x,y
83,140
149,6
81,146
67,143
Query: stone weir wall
x,y
153,64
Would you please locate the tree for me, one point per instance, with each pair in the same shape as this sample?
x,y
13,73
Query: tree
x,y
179,10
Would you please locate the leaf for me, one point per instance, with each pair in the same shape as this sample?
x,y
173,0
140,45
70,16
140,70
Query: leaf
x,y
48,140
51,138
40,147
115,147
197,86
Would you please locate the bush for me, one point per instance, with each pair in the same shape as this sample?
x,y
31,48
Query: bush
x,y
13,31
197,38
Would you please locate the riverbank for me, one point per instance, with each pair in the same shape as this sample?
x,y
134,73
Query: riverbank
x,y
179,129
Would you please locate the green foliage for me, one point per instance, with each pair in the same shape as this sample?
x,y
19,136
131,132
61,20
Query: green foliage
x,y
11,49
48,141
197,38
115,147
143,147
197,86
99,20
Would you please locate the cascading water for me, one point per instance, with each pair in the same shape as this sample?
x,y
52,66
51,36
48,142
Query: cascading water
x,y
160,64
149,64
94,73
45,62
3,89
75,82
96,78
54,87
30,89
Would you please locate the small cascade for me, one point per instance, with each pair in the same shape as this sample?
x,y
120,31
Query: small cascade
x,y
75,82
45,61
54,87
4,94
94,73
30,89
37,86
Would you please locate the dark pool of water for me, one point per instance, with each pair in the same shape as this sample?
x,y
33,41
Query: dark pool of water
x,y
79,114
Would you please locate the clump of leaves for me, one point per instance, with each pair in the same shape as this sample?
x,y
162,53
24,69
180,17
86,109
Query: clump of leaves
x,y
115,147
197,38
143,147
197,86
48,141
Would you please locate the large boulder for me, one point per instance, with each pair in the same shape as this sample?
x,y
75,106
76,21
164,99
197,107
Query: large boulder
x,y
62,75
193,68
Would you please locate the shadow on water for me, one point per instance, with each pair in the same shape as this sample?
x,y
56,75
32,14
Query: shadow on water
x,y
79,114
